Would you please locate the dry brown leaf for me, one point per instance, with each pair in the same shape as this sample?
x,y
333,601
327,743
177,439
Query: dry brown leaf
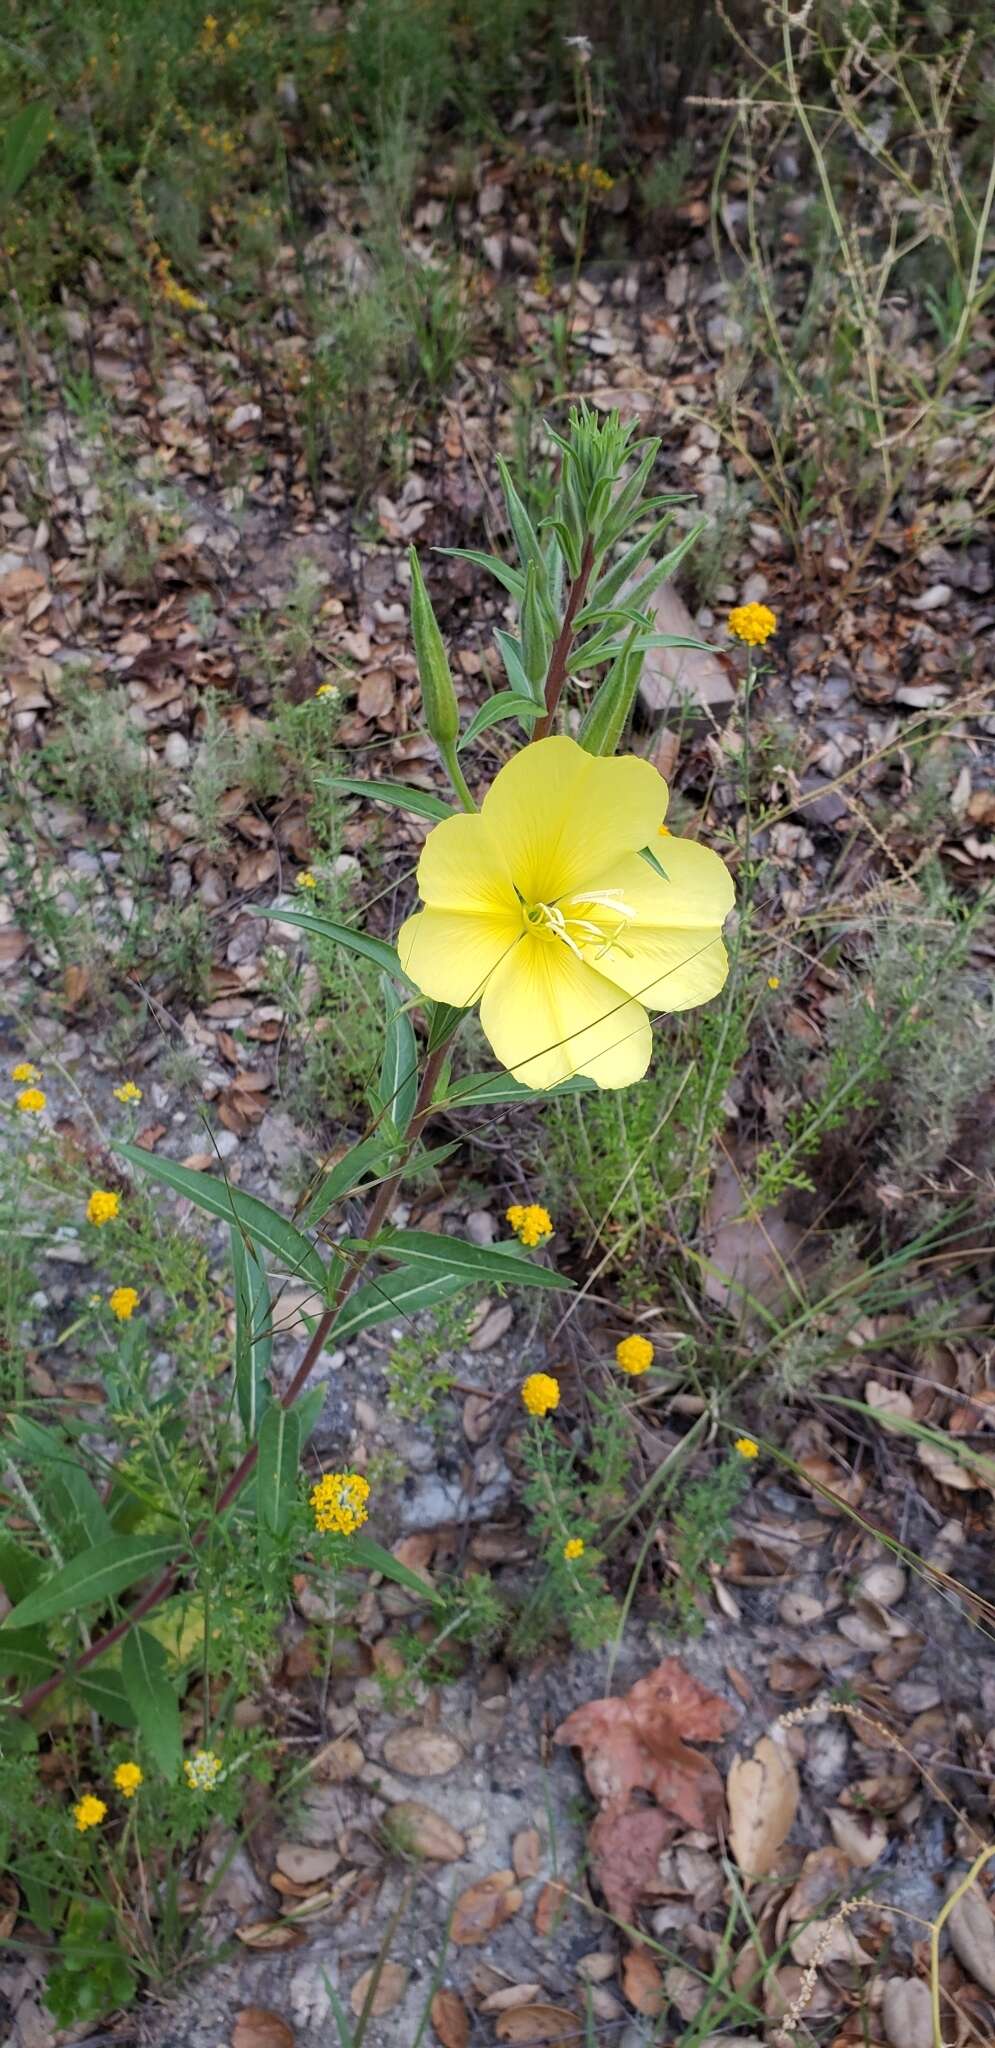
x,y
338,1761
422,1752
625,1854
861,1836
642,1983
832,1941
762,1791
257,2027
536,2024
304,1865
511,1995
427,1832
392,1984
636,1743
270,1934
946,1467
484,1907
905,2010
10,1902
526,1852
972,1937
550,1908
450,2019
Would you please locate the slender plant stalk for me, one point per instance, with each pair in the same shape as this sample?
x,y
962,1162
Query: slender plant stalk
x,y
561,652
936,1930
164,1585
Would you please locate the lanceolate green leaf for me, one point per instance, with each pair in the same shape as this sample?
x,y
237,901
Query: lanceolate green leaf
x,y
368,1156
321,927
276,1472
75,1503
23,144
20,1569
363,1551
103,1691
507,704
152,1698
494,1088
477,1262
396,1297
400,795
262,1223
512,579
253,1333
99,1575
512,656
399,1072
25,1655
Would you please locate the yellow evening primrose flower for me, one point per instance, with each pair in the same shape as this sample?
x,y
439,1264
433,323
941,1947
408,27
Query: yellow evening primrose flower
x,y
25,1070
202,1770
540,908
89,1812
306,880
573,1549
123,1303
31,1101
746,1447
541,1393
752,623
634,1355
127,1778
128,1092
530,1223
339,1502
102,1206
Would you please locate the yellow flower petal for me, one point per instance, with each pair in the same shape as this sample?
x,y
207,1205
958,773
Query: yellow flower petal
x,y
669,955
563,815
451,955
548,1015
463,867
698,890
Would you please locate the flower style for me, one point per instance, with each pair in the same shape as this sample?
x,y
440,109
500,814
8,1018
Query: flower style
x,y
541,1393
202,1770
339,1502
89,1812
102,1207
573,1549
752,623
746,1447
634,1355
25,1070
31,1101
540,907
127,1778
129,1091
531,1224
123,1303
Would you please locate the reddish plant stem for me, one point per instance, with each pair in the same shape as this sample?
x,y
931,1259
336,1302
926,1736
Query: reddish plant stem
x,y
561,653
164,1585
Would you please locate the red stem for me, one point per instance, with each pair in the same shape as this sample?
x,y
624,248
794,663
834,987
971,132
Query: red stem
x,y
163,1586
561,653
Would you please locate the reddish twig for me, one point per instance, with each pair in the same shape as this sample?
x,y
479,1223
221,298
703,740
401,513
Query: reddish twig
x,y
164,1585
561,653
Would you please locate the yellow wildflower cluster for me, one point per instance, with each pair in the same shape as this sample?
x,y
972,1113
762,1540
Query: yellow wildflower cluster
x,y
89,1812
102,1207
128,1092
328,690
746,1447
634,1355
773,981
339,1502
202,1770
541,1393
577,174
176,294
25,1070
127,1778
752,623
123,1303
306,880
573,1549
530,1222
31,1101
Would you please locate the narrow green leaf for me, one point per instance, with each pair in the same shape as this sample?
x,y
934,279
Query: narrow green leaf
x,y
368,1156
101,1573
443,1022
399,1071
526,538
76,1505
218,1198
457,1255
507,704
20,1569
603,647
494,1088
364,1551
321,927
24,1654
638,597
276,1472
23,144
307,1411
398,1295
402,796
253,1332
104,1692
512,579
152,1698
647,854
510,651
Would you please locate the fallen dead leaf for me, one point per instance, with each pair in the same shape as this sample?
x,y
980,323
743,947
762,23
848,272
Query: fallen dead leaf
x,y
537,2024
946,1467
270,1934
762,1791
861,1836
625,1854
526,1852
832,1941
510,1995
642,1983
422,1752
392,1984
450,2019
338,1761
635,1743
972,1937
905,2010
427,1832
257,2027
304,1865
484,1907
550,1908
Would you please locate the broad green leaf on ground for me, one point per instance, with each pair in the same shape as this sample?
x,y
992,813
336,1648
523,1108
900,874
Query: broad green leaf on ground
x,y
342,934
253,1333
152,1698
263,1224
399,794
492,1088
25,1655
476,1262
276,1472
100,1574
400,1294
398,1088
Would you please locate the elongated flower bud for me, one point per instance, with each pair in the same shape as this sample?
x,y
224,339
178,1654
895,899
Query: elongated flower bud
x,y
437,693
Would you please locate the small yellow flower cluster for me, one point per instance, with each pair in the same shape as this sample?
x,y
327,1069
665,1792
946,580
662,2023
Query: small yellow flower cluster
x,y
127,1778
530,1223
773,981
31,1101
123,1303
339,1502
634,1355
176,294
577,174
202,1770
306,880
752,623
573,1549
102,1207
25,1070
208,33
541,1393
328,690
128,1092
746,1447
89,1812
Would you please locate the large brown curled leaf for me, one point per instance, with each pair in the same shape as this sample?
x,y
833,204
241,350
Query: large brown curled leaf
x,y
625,1856
636,1743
